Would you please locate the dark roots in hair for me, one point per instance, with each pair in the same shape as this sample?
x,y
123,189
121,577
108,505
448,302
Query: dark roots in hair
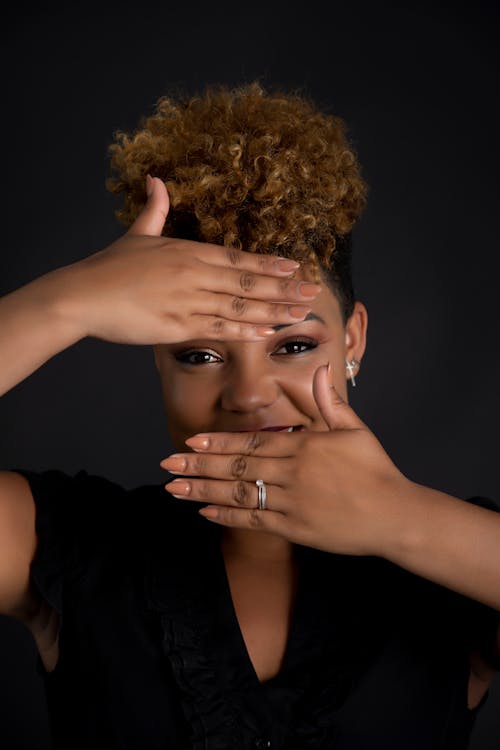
x,y
258,171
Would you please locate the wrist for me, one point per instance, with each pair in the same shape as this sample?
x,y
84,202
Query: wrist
x,y
416,519
59,293
400,527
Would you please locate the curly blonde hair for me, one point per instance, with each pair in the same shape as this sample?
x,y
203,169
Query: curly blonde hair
x,y
245,168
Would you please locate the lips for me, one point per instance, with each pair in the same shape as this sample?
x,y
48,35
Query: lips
x,y
291,428
278,429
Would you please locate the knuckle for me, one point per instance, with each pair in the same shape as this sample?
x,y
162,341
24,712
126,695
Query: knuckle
x,y
247,281
199,464
285,286
205,490
217,326
239,305
255,518
233,256
253,441
241,495
238,466
225,444
274,310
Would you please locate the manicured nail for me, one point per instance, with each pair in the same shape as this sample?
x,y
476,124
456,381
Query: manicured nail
x,y
149,185
210,513
198,442
174,464
308,290
296,311
180,486
329,374
286,265
264,331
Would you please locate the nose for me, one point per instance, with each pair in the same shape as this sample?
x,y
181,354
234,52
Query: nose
x,y
248,388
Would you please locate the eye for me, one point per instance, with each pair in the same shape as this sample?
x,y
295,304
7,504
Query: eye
x,y
299,342
188,358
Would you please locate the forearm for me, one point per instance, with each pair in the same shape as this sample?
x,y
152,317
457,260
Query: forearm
x,y
451,542
34,326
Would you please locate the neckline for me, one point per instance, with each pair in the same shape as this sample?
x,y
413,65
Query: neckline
x,y
240,650
202,638
300,627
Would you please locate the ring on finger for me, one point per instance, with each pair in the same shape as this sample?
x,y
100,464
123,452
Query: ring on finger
x,y
262,494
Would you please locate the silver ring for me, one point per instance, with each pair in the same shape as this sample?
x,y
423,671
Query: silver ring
x,y
262,493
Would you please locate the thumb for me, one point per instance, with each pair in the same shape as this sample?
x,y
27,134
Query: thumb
x,y
335,411
152,217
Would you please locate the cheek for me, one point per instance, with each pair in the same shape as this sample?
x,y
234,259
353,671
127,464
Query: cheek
x,y
298,383
184,400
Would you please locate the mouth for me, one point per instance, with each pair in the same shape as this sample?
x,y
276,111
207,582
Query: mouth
x,y
292,428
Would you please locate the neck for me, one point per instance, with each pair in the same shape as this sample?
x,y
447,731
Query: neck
x,y
257,546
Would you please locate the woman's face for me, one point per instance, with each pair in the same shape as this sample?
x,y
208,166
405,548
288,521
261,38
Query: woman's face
x,y
227,386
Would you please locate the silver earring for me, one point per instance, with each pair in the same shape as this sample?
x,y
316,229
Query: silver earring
x,y
350,366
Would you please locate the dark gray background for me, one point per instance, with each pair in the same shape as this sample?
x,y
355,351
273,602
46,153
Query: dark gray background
x,y
418,88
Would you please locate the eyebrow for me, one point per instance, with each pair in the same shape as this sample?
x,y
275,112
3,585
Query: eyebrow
x,y
309,316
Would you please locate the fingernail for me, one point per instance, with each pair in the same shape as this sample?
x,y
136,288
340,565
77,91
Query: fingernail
x,y
286,265
308,290
329,374
180,486
210,513
264,331
198,442
296,311
174,464
149,185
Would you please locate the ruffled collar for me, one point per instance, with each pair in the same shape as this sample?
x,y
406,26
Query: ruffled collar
x,y
223,700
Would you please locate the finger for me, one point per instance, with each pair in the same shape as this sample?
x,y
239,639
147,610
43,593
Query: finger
x,y
151,220
235,307
335,411
243,260
237,494
229,467
230,330
258,520
261,443
243,283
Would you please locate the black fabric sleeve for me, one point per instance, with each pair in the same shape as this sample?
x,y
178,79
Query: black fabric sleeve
x,y
73,516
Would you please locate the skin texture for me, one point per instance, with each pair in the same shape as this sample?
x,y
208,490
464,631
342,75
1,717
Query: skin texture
x,y
249,384
243,384
332,487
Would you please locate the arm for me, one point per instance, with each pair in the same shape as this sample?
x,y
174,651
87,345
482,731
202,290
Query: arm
x,y
144,289
338,490
457,545
450,542
17,547
34,327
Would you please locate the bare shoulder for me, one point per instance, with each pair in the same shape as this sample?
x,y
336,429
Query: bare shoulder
x,y
17,545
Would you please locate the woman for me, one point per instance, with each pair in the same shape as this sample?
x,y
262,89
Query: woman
x,y
292,589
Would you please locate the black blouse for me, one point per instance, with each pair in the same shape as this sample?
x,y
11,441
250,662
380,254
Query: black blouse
x,y
152,656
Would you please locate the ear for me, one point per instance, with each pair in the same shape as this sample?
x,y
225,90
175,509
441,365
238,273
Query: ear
x,y
355,334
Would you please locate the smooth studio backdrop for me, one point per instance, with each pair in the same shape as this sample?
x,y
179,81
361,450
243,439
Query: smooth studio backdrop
x,y
418,89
